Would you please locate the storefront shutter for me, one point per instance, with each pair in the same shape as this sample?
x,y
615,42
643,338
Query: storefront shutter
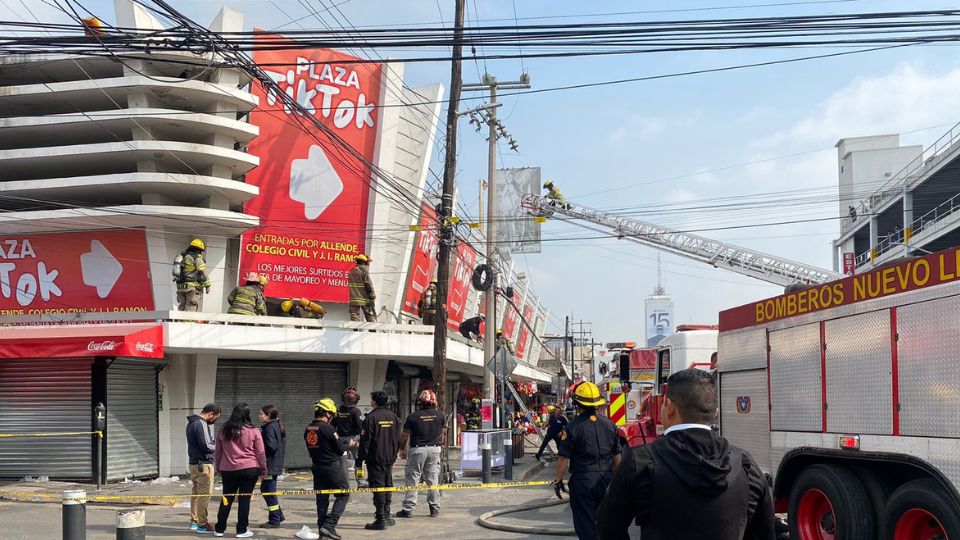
x,y
292,387
46,396
132,428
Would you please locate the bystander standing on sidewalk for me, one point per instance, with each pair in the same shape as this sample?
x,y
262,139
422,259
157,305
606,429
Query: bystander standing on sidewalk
x,y
200,453
275,446
240,460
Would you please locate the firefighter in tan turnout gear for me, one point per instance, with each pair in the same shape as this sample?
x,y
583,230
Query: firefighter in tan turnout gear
x,y
362,295
190,274
248,299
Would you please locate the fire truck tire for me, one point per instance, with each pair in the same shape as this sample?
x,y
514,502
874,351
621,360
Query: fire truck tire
x,y
920,509
830,502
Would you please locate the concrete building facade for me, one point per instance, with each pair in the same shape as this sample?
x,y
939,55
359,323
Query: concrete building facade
x,y
152,152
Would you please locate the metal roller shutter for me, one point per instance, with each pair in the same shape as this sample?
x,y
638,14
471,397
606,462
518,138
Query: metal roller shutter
x,y
292,387
132,424
46,396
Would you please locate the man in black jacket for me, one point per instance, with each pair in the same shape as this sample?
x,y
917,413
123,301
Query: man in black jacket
x,y
379,444
325,448
200,447
705,487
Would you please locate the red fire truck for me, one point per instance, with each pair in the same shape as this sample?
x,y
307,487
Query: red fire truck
x,y
629,374
848,394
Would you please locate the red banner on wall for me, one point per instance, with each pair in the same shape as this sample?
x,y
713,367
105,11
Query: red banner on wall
x,y
75,273
459,291
423,262
314,194
524,340
511,314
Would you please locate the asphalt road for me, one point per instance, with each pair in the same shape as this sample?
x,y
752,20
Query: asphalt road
x,y
460,510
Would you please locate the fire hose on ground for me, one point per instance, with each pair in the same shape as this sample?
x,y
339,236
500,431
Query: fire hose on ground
x,y
486,520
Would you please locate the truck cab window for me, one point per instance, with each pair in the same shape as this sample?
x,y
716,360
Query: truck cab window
x,y
663,367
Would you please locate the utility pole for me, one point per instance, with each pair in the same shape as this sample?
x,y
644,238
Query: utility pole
x,y
566,345
489,83
593,360
446,211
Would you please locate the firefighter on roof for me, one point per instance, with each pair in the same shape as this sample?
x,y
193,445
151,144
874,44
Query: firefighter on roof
x,y
590,447
191,277
362,295
427,307
248,299
301,308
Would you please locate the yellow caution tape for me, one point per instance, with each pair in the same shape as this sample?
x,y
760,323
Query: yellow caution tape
x,y
61,434
287,493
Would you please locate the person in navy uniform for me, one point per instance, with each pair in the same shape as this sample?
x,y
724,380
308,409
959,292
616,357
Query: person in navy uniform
x,y
590,447
325,448
379,446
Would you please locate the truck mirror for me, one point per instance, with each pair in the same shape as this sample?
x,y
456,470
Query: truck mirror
x,y
624,359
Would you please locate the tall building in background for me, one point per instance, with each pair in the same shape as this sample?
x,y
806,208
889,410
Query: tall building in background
x,y
658,312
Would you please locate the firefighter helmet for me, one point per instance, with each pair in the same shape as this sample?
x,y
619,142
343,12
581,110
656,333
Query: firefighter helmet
x,y
588,395
252,277
198,243
286,306
428,396
326,405
434,280
499,331
551,408
264,280
363,259
548,184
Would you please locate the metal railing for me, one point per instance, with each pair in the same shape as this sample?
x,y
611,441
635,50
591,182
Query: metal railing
x,y
937,214
916,168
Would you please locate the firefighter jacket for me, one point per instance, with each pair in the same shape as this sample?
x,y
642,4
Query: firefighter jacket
x,y
193,271
247,300
504,341
361,288
705,488
380,439
590,441
324,446
555,195
428,300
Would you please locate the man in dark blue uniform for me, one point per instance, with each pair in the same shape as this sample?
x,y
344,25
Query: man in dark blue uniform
x,y
557,422
325,448
590,446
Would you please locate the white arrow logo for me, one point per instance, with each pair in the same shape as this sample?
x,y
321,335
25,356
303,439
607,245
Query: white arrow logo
x,y
100,268
314,182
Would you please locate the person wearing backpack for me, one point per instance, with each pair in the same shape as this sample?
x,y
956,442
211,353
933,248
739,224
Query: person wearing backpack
x,y
190,275
705,487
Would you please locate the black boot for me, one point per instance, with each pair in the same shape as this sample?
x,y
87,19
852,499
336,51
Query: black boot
x,y
378,525
387,518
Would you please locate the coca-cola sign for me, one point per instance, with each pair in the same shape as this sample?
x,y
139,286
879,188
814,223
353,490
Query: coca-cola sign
x,y
101,345
144,347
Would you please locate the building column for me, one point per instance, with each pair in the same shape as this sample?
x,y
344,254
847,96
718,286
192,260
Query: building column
x,y
367,375
216,259
874,237
161,270
907,220
187,384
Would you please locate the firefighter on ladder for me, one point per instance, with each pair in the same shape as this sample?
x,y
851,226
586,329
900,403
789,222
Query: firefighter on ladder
x,y
554,196
590,447
362,295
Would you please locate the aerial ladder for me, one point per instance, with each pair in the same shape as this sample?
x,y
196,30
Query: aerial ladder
x,y
747,262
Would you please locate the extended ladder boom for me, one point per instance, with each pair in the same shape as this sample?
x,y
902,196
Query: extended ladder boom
x,y
743,261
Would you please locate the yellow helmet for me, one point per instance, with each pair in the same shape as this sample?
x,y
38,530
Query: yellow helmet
x,y
588,395
362,258
264,280
326,404
198,243
286,306
548,184
551,408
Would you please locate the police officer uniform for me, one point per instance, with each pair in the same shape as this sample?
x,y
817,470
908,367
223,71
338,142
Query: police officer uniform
x,y
379,444
325,449
425,429
591,443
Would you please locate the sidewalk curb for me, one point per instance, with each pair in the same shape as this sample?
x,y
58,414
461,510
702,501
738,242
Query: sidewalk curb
x,y
537,467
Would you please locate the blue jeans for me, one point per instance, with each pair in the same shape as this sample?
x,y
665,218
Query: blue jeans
x,y
269,484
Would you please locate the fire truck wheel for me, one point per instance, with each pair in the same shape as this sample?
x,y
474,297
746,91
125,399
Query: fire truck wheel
x,y
829,502
921,510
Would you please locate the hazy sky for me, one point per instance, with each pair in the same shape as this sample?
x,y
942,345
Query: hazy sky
x,y
678,151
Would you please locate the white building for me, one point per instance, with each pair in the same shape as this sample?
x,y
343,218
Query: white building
x,y
107,171
903,199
